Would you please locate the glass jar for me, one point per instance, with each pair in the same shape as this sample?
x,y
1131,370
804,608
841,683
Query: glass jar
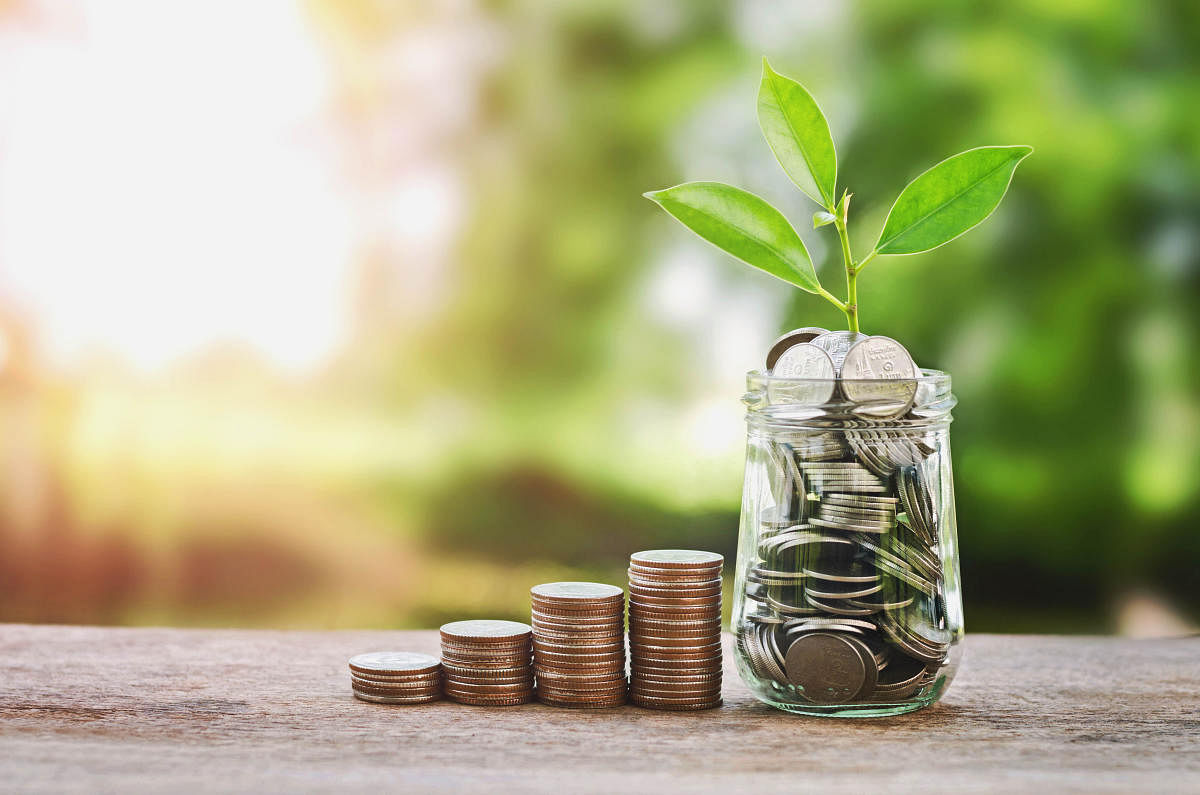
x,y
847,599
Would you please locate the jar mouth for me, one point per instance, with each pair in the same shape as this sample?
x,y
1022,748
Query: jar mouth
x,y
835,402
932,377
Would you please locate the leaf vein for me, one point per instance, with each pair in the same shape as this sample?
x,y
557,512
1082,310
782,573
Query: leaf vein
x,y
923,219
799,145
755,240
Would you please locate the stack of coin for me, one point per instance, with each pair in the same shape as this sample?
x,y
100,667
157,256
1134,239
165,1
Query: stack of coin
x,y
579,644
396,677
487,663
675,629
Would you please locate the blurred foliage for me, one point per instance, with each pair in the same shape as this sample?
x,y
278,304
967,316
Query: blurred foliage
x,y
550,418
1069,321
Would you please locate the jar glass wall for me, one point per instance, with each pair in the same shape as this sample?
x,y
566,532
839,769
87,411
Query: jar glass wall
x,y
847,599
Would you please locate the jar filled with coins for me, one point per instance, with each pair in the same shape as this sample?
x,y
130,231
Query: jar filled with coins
x,y
847,599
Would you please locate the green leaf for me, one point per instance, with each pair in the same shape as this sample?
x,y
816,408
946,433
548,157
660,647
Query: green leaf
x,y
798,134
822,218
950,198
743,225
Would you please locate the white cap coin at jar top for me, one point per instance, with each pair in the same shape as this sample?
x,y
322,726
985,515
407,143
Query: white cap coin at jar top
x,y
836,344
793,337
810,374
880,370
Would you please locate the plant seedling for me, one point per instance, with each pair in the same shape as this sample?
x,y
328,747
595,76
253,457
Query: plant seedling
x,y
939,205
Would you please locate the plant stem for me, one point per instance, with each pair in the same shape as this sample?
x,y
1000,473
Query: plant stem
x,y
831,298
851,305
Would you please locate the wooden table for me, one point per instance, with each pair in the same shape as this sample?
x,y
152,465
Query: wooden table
x,y
126,710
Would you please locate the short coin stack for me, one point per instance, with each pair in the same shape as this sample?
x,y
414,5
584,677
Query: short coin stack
x,y
487,663
675,629
579,644
396,677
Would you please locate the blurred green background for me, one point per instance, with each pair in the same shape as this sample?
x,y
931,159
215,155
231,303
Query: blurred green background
x,y
351,313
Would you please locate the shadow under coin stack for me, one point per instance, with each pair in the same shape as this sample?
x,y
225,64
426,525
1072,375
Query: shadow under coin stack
x,y
579,644
396,677
675,629
487,663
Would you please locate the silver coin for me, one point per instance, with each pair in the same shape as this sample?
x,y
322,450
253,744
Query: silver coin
x,y
879,370
826,667
837,343
394,662
844,525
870,666
836,607
855,499
374,699
810,377
585,591
485,629
794,337
823,591
867,514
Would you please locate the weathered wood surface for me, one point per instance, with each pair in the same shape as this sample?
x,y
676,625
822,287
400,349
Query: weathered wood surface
x,y
127,710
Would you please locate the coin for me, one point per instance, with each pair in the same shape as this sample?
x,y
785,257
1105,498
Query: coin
x,y
826,667
794,337
399,684
577,591
490,701
487,662
805,376
390,690
485,629
598,704
394,662
422,699
676,558
579,643
836,344
674,627
878,370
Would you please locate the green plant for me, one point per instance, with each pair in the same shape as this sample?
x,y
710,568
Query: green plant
x,y
936,207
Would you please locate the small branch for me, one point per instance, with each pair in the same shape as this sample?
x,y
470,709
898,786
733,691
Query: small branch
x,y
831,298
851,305
865,260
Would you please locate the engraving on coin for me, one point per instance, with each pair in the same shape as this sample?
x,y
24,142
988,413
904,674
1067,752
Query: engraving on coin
x,y
879,370
810,374
836,344
794,337
826,667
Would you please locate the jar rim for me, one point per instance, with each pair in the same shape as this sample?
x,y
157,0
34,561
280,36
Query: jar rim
x,y
936,378
824,402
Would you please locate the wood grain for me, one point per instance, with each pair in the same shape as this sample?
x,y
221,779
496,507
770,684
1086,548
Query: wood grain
x,y
130,710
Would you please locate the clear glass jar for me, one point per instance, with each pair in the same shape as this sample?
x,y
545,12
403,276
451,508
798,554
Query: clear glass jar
x,y
847,599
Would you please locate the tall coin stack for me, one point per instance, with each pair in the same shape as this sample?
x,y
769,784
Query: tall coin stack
x,y
579,644
395,677
487,663
675,629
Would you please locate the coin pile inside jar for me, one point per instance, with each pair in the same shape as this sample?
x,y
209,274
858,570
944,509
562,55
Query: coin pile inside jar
x,y
395,677
487,663
579,644
843,600
675,629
